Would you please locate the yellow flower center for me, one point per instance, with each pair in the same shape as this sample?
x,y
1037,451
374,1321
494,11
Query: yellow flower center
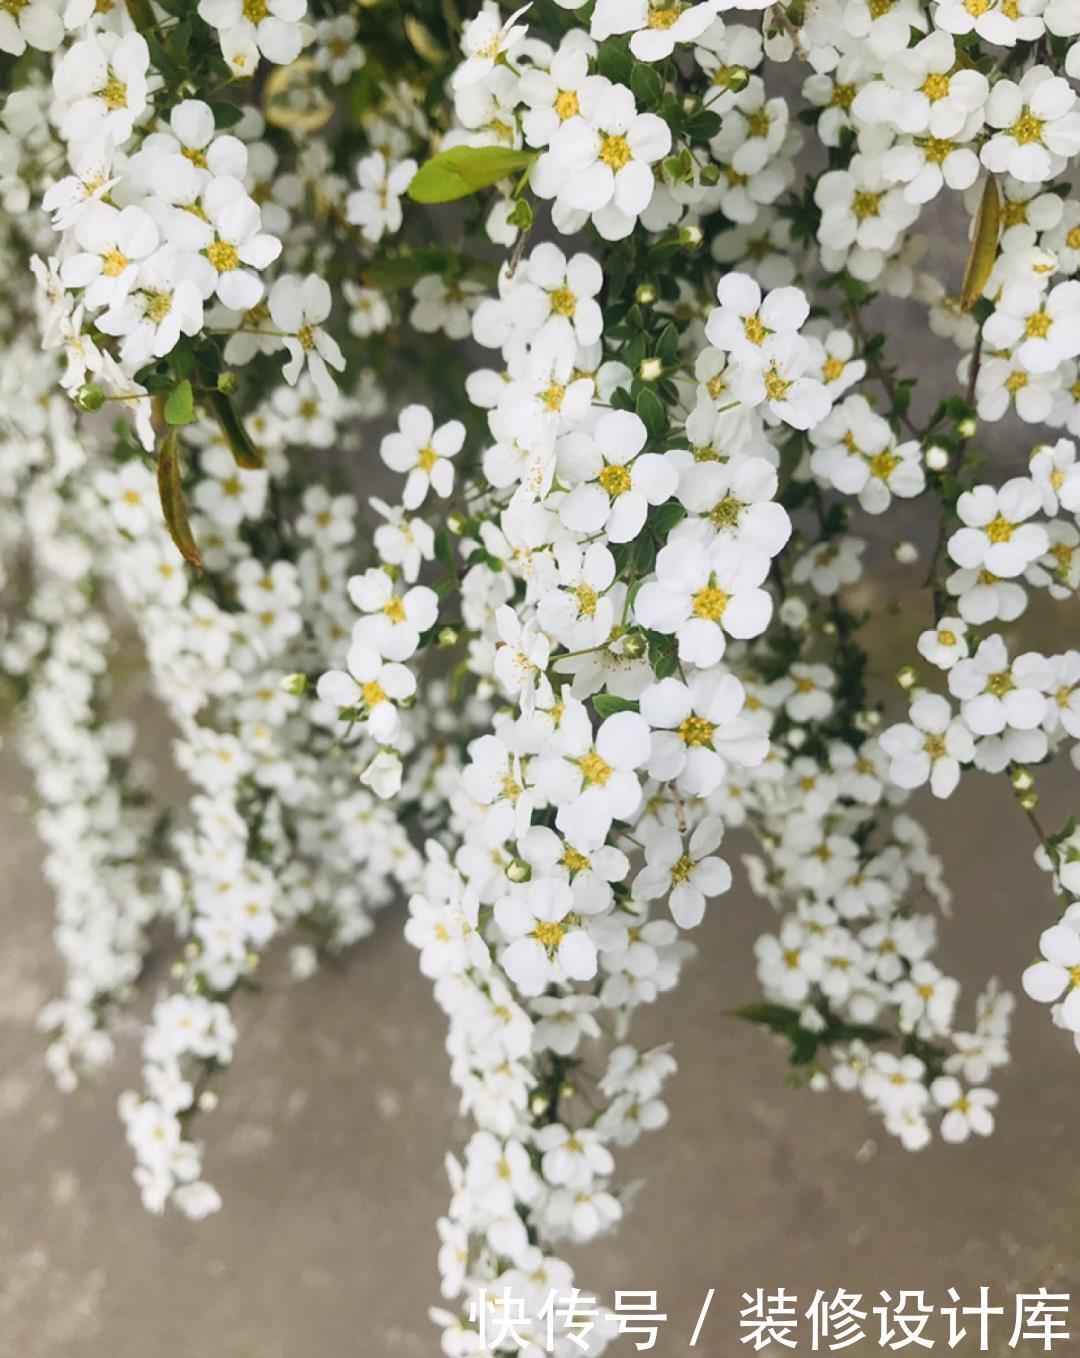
x,y
255,11
1072,240
682,869
843,96
395,610
549,934
222,255
114,91
725,513
306,336
937,149
426,458
753,329
865,204
1027,128
156,305
114,263
553,397
999,529
587,598
563,302
776,388
1001,683
757,125
567,104
934,746
193,154
615,152
946,637
595,770
574,860
615,479
373,693
1038,325
935,86
1016,382
696,731
833,369
710,603
664,17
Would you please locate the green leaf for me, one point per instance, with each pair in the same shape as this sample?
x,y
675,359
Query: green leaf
x,y
173,507
226,115
180,404
646,83
776,1016
607,704
984,244
651,413
244,452
464,170
444,551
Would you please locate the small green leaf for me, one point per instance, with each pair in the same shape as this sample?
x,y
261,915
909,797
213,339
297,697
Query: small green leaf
x,y
464,170
607,704
180,404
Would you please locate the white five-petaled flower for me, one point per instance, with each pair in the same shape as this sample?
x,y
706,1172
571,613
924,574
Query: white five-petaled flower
x,y
298,308
423,454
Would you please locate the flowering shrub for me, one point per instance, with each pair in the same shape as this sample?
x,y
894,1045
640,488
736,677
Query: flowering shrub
x,y
602,621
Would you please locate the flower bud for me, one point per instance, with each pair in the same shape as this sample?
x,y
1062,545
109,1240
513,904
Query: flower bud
x,y
1021,779
89,397
691,237
455,524
1029,800
906,677
905,552
635,644
227,383
645,294
966,428
936,457
448,636
650,369
518,870
295,684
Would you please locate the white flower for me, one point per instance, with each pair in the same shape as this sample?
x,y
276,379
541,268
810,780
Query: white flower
x,y
372,686
580,614
931,748
33,23
298,307
227,237
923,91
965,1112
1039,126
701,594
744,321
944,644
486,39
593,780
423,454
691,874
1043,328
656,25
376,206
113,244
1058,973
698,729
995,536
101,82
600,163
612,482
393,622
271,26
547,943
995,693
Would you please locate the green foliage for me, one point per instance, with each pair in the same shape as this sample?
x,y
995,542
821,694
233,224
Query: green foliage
x,y
464,170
